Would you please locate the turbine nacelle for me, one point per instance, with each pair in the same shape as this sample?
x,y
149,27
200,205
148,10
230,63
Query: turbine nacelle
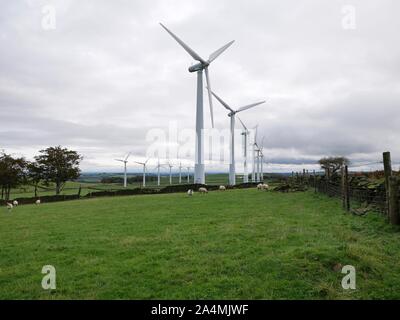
x,y
198,67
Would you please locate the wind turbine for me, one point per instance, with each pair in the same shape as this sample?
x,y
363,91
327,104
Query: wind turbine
x,y
188,174
158,172
199,173
180,172
245,134
124,161
261,160
170,172
231,114
144,170
253,175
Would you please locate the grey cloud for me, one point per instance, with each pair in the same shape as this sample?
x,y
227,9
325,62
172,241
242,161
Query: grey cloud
x,y
109,73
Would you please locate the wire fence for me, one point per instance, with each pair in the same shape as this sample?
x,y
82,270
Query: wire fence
x,y
374,198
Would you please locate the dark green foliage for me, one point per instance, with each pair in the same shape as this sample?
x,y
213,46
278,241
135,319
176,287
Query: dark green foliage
x,y
58,165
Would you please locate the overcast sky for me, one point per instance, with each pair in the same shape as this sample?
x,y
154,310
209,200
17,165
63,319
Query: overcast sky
x,y
108,73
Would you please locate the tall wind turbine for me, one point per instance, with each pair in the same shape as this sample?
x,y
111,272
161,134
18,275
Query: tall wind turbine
x,y
199,173
188,174
253,175
231,114
144,170
262,160
180,172
170,172
245,135
158,172
125,161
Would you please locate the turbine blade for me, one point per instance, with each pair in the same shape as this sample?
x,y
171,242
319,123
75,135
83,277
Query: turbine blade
x,y
127,156
222,102
249,106
209,96
194,55
245,128
217,53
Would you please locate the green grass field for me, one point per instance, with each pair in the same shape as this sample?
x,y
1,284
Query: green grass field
x,y
238,244
72,187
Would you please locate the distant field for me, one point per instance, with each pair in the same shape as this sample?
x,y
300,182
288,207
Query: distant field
x,y
238,244
91,186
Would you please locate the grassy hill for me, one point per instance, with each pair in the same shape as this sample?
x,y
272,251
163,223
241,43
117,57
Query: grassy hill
x,y
243,244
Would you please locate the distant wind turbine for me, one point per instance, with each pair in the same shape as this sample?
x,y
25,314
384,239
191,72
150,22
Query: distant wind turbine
x,y
231,114
144,170
188,174
180,172
253,175
158,172
125,161
199,172
245,134
170,172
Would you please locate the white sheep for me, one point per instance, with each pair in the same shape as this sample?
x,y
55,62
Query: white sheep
x,y
9,206
37,202
203,190
262,186
15,203
190,192
222,188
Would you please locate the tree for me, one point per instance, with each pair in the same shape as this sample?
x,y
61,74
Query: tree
x,y
58,165
35,174
333,164
12,173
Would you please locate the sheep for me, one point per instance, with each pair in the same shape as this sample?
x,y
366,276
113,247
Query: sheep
x,y
15,203
37,202
222,188
262,186
9,206
203,190
190,192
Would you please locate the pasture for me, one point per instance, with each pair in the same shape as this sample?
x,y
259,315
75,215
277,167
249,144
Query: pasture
x,y
238,244
91,185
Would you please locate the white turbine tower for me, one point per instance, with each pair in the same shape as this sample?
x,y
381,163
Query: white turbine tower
x,y
188,174
199,173
180,172
158,172
262,160
245,135
144,170
231,114
253,175
124,161
170,172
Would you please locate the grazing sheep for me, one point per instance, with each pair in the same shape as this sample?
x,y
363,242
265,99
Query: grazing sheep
x,y
37,201
9,206
222,188
203,190
15,203
260,186
190,192
265,186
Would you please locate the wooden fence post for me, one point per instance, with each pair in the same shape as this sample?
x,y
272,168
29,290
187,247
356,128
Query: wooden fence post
x,y
394,200
387,167
347,188
343,188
